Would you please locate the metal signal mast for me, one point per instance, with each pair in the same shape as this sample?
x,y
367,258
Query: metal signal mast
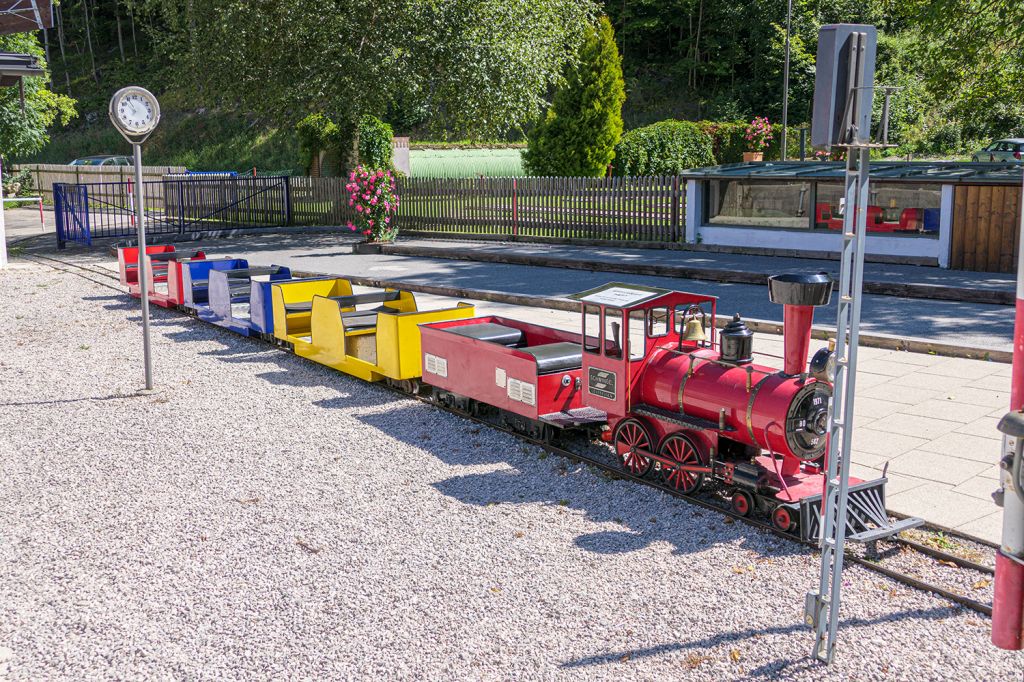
x,y
843,94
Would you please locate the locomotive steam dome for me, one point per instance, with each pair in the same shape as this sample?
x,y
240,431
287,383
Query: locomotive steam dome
x,y
737,342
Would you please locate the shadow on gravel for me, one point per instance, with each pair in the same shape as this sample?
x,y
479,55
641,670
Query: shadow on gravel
x,y
686,528
116,396
126,305
769,670
646,516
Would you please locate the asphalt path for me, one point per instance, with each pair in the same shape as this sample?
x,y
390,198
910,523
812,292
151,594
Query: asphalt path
x,y
967,324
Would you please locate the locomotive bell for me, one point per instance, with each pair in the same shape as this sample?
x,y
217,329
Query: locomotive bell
x,y
694,331
737,342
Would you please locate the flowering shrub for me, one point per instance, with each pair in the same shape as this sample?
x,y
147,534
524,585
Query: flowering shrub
x,y
372,194
759,134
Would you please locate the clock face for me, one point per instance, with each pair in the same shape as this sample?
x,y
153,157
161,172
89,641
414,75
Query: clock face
x,y
135,111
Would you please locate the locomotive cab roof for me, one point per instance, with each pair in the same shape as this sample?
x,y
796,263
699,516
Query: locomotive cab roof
x,y
619,295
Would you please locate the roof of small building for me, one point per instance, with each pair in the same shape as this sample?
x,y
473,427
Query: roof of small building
x,y
945,172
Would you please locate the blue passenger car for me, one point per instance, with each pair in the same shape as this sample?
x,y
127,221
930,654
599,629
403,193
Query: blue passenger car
x,y
239,299
195,282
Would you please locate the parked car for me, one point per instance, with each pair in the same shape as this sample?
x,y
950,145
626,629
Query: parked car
x,y
1010,149
102,161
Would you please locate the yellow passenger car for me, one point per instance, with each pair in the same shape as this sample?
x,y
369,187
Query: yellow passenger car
x,y
325,322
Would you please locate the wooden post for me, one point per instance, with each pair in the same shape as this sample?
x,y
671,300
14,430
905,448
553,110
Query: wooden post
x,y
515,209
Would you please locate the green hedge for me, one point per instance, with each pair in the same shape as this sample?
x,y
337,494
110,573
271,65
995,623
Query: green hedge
x,y
663,148
729,144
375,143
726,140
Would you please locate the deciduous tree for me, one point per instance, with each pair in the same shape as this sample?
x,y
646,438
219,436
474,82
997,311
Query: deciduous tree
x,y
23,132
482,67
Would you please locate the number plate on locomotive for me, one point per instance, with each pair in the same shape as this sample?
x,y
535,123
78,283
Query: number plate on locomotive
x,y
601,382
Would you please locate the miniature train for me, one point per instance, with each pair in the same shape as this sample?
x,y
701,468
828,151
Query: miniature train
x,y
648,372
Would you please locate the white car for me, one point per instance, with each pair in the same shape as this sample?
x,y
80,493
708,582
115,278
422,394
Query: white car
x,y
1011,149
102,161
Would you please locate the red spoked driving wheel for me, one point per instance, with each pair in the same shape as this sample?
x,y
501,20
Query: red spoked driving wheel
x,y
680,449
630,441
782,518
742,503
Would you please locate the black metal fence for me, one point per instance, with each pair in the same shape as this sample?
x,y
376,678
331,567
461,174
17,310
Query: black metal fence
x,y
172,206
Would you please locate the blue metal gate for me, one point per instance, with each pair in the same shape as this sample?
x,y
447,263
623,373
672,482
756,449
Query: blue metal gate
x,y
174,205
71,206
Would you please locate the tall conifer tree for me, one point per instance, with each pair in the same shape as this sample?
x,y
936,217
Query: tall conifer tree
x,y
578,134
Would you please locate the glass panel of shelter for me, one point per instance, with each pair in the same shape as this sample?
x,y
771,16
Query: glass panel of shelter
x,y
908,209
895,208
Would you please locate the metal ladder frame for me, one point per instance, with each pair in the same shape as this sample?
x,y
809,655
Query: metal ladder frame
x,y
821,609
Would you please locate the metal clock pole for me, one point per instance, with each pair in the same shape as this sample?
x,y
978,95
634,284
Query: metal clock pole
x,y
135,112
140,217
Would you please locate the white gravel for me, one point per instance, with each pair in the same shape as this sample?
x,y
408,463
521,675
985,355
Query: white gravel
x,y
263,517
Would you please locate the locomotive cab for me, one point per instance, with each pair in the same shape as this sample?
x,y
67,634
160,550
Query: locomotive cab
x,y
624,326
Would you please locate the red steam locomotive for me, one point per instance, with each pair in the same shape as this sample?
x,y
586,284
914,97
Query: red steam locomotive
x,y
675,398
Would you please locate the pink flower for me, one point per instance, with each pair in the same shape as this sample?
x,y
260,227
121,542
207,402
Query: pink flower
x,y
367,232
387,220
373,201
366,196
353,176
359,208
370,222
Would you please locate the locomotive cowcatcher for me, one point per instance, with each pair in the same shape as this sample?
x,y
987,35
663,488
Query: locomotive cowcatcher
x,y
675,398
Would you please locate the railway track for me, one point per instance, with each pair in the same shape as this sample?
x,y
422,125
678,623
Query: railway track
x,y
871,559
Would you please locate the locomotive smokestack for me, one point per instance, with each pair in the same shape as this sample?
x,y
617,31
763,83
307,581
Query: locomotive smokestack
x,y
800,294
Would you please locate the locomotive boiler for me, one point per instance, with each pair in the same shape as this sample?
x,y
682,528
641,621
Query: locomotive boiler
x,y
784,413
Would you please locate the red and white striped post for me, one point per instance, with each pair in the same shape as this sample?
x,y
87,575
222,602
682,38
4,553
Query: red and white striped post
x,y
1008,600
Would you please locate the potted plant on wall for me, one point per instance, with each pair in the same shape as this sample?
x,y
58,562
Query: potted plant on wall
x,y
758,135
372,195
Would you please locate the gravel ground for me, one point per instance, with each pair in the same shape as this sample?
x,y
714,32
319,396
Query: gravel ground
x,y
262,516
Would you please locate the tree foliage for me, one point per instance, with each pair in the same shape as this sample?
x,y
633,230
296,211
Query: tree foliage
x,y
482,67
25,132
974,52
316,134
577,136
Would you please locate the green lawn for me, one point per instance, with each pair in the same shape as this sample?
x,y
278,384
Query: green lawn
x,y
465,163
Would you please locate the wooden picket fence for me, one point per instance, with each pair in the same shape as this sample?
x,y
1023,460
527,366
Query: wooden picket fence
x,y
646,209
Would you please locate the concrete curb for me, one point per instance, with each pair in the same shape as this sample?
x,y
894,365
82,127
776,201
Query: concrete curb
x,y
905,290
903,343
220,234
